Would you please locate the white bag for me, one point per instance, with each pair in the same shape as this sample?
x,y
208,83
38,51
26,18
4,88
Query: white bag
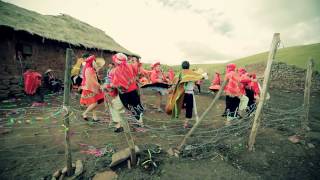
x,y
243,102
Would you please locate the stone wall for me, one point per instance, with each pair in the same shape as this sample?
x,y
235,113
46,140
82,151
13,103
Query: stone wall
x,y
45,54
288,77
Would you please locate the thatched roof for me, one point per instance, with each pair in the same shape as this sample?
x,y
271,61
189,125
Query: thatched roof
x,y
63,28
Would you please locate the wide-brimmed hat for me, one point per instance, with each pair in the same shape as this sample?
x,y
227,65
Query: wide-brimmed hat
x,y
100,62
200,71
48,70
155,64
119,58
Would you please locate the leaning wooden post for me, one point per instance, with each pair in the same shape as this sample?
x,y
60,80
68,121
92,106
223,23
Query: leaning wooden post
x,y
256,122
130,141
195,108
307,88
202,117
66,104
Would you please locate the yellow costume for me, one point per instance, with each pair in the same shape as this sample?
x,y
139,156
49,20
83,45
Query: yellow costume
x,y
175,100
76,68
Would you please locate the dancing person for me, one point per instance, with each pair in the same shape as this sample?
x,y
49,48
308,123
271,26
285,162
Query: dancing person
x,y
158,79
182,93
91,94
76,71
216,83
170,76
123,78
233,93
255,93
198,84
247,99
114,103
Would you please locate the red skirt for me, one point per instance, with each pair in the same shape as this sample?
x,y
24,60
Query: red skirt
x,y
89,97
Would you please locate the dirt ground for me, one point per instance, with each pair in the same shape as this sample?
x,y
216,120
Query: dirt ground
x,y
32,142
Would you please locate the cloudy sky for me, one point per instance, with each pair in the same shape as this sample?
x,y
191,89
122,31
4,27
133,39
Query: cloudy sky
x,y
201,31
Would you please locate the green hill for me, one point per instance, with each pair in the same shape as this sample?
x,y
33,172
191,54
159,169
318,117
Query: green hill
x,y
295,55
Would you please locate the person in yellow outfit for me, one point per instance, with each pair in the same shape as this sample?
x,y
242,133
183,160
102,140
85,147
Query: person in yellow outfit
x,y
182,93
76,71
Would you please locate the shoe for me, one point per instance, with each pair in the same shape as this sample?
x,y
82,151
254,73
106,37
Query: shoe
x,y
118,130
95,120
85,118
160,110
187,126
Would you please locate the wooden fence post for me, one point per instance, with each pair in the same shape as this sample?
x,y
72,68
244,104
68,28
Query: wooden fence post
x,y
256,122
129,138
66,104
307,88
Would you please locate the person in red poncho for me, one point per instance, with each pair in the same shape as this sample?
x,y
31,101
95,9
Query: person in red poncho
x,y
170,76
255,93
158,78
246,81
255,86
233,92
216,83
32,87
124,80
91,94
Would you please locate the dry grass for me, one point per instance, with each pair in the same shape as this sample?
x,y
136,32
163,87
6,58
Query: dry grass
x,y
62,28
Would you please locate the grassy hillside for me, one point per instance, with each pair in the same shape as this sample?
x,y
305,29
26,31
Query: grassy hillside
x,y
296,55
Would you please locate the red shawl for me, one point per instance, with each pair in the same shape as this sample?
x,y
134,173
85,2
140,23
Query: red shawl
x,y
32,81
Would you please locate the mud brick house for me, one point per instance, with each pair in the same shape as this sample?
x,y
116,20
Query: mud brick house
x,y
29,39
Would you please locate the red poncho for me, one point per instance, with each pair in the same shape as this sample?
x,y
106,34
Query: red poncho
x,y
233,86
215,84
124,77
171,75
245,80
254,84
32,81
157,77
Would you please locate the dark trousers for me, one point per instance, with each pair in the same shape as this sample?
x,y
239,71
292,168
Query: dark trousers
x,y
250,95
76,80
232,103
188,102
199,87
131,101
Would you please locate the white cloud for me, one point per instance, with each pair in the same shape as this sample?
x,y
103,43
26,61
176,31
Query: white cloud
x,y
198,30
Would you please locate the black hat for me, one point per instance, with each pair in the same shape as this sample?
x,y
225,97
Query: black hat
x,y
185,65
85,55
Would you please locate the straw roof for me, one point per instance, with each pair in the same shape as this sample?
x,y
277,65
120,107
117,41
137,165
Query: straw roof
x,y
63,28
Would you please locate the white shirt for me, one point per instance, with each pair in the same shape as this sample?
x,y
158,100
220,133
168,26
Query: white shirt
x,y
188,87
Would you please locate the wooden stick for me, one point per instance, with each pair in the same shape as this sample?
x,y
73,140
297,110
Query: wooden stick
x,y
130,141
66,104
256,122
307,89
183,142
195,108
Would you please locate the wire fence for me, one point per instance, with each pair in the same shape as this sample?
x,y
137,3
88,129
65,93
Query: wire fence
x,y
30,133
